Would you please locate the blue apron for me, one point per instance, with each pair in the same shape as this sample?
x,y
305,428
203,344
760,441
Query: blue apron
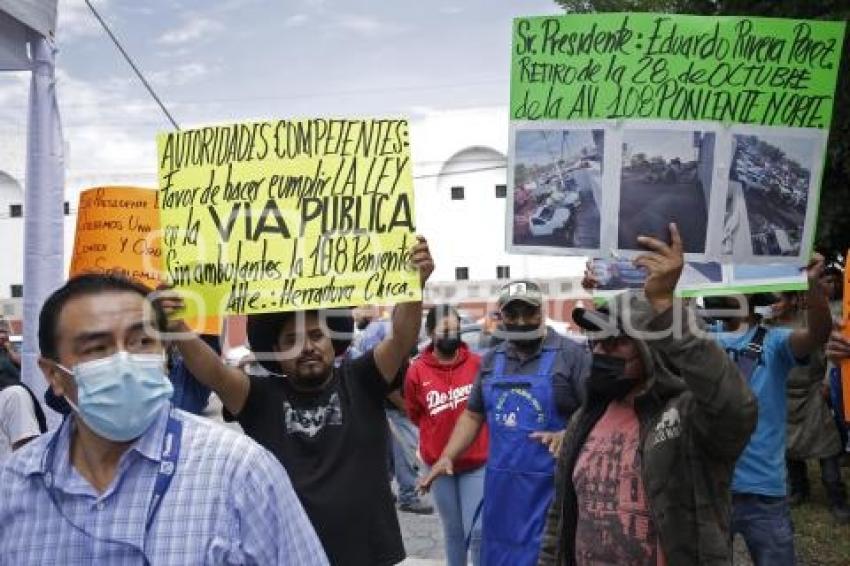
x,y
519,483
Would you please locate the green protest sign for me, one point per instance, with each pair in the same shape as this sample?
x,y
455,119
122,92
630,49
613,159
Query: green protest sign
x,y
762,71
624,123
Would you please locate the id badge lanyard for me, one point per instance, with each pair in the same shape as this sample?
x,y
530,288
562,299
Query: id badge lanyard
x,y
168,465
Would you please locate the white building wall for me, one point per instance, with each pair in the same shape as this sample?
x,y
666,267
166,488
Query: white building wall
x,y
11,236
12,165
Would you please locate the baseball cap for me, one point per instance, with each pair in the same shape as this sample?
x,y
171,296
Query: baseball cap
x,y
523,290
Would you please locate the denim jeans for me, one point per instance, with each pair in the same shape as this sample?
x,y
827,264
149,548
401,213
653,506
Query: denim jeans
x,y
765,524
404,439
830,474
457,498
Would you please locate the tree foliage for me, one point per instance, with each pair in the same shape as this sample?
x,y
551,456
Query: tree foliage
x,y
833,234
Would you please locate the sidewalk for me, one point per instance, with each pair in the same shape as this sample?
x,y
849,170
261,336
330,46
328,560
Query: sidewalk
x,y
423,539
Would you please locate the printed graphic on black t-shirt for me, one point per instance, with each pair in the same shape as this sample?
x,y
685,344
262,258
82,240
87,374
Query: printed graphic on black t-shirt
x,y
309,421
333,445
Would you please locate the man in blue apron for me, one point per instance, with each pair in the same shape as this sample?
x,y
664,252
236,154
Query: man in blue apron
x,y
526,390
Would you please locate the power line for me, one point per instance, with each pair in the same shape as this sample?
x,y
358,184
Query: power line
x,y
476,170
130,173
133,65
73,210
305,95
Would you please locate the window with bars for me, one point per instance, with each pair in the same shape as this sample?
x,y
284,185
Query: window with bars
x,y
501,191
16,210
503,272
457,193
17,291
461,273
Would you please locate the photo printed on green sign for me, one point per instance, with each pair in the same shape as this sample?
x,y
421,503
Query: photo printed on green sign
x,y
623,123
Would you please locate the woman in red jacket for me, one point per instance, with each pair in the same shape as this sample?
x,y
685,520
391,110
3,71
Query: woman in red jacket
x,y
436,390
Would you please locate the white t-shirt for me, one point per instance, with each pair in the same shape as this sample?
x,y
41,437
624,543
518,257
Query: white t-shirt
x,y
17,418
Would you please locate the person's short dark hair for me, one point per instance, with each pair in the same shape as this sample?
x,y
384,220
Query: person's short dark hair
x,y
438,313
81,285
264,331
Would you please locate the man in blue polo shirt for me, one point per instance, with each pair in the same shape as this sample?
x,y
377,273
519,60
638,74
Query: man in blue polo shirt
x,y
760,511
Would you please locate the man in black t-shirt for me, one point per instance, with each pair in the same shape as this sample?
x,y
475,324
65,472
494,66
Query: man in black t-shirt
x,y
325,424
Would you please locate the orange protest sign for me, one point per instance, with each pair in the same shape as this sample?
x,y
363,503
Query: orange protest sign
x,y
205,325
118,231
845,365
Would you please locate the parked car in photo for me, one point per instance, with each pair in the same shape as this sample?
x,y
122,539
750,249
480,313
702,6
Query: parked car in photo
x,y
564,198
548,218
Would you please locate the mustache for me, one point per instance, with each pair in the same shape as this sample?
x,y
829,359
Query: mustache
x,y
308,358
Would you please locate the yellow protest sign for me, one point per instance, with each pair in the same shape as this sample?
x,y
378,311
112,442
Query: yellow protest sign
x,y
288,215
118,231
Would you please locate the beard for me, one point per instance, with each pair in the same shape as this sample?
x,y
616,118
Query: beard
x,y
310,373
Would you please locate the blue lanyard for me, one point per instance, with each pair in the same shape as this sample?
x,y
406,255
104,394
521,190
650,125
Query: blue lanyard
x,y
168,465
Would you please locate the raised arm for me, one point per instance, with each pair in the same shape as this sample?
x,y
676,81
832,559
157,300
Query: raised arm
x,y
393,350
725,410
806,340
724,413
838,347
229,383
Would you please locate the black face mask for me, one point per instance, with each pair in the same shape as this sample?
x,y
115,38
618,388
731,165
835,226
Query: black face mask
x,y
524,330
607,377
447,345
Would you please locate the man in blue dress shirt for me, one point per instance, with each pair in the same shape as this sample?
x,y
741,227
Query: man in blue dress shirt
x,y
127,478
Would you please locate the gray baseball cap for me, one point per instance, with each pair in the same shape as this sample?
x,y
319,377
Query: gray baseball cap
x,y
522,290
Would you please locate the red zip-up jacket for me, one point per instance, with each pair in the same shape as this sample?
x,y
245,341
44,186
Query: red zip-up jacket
x,y
435,395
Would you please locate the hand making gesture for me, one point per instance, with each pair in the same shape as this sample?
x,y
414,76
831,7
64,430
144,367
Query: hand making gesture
x,y
664,264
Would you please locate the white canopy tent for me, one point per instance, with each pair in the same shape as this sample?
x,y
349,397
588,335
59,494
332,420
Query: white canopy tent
x,y
27,30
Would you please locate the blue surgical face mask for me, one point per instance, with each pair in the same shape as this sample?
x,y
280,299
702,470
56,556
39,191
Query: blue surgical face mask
x,y
119,396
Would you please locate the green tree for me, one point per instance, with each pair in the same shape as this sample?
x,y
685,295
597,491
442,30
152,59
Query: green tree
x,y
833,233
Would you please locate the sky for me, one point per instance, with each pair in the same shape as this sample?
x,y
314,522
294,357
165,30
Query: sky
x,y
665,144
214,61
532,148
